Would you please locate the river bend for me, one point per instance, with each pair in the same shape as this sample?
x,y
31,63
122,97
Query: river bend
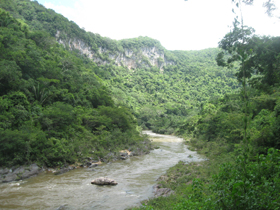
x,y
73,190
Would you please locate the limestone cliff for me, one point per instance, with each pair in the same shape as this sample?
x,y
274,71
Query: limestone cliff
x,y
145,56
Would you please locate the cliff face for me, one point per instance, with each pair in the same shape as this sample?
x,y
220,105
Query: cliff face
x,y
144,57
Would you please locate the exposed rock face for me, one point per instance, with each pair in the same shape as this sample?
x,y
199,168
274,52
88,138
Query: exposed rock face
x,y
104,181
145,57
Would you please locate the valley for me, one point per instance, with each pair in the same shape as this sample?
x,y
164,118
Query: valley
x,y
68,95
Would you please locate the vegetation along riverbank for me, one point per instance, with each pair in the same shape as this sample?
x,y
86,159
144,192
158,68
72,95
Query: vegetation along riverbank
x,y
17,172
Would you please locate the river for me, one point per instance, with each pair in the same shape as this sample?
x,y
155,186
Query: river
x,y
72,190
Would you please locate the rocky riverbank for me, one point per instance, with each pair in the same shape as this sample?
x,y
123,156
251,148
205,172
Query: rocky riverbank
x,y
24,172
18,173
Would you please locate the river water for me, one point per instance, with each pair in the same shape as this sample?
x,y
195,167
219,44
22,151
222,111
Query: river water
x,y
72,190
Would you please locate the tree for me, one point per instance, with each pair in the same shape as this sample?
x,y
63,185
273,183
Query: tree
x,y
259,55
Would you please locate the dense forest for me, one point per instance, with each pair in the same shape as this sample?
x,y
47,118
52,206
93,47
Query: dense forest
x,y
54,109
161,101
43,81
57,106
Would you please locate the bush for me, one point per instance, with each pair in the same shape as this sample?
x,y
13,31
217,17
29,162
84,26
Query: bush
x,y
249,185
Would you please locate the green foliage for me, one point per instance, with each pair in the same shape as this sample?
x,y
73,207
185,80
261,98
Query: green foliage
x,y
234,185
174,92
10,76
53,106
254,187
162,100
259,55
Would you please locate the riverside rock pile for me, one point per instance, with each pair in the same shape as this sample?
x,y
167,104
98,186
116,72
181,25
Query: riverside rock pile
x,y
18,173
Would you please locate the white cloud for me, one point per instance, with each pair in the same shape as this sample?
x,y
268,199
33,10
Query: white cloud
x,y
255,16
66,11
177,24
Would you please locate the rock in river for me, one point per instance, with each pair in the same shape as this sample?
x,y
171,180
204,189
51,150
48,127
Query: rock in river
x,y
104,181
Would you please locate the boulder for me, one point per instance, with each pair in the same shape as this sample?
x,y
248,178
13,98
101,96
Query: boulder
x,y
33,170
10,177
4,171
18,173
88,164
19,170
104,181
93,165
162,192
124,157
123,153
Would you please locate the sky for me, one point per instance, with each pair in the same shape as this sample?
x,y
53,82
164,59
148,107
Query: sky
x,y
177,24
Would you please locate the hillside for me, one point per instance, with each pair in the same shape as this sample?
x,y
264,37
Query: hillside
x,y
131,53
53,108
65,63
51,67
159,86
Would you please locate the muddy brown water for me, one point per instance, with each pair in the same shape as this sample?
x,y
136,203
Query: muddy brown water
x,y
72,190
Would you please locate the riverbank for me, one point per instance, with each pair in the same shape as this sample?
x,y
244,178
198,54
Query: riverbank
x,y
184,177
15,173
135,177
229,179
178,179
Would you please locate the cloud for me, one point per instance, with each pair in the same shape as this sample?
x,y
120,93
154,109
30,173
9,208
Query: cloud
x,y
255,17
66,11
177,24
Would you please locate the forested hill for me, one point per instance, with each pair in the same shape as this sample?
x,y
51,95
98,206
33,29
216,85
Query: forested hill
x,y
163,100
132,53
161,87
53,108
66,92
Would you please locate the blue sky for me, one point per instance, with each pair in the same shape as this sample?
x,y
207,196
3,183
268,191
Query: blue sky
x,y
177,24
